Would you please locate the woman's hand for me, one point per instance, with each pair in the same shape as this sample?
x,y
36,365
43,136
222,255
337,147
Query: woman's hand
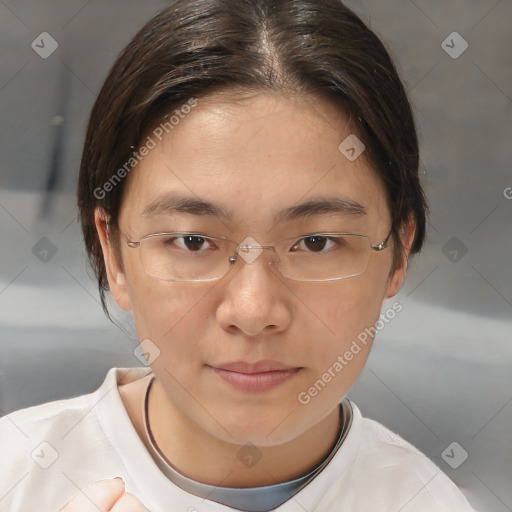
x,y
107,496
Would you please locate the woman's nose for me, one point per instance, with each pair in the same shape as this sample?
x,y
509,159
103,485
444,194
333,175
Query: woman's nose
x,y
255,299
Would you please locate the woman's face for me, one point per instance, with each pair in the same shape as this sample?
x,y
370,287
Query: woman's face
x,y
254,158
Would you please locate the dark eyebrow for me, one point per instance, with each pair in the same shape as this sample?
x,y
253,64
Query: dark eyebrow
x,y
171,204
321,206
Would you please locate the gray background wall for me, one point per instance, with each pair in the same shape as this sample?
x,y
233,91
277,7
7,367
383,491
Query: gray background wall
x,y
440,372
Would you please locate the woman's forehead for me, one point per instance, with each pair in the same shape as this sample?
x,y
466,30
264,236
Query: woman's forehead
x,y
252,113
264,153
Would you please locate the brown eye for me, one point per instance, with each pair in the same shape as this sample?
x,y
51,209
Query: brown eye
x,y
193,242
190,243
315,243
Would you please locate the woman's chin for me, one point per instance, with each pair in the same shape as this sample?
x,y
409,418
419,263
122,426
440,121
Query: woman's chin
x,y
262,433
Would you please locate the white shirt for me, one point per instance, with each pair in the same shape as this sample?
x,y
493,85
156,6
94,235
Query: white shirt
x,y
51,451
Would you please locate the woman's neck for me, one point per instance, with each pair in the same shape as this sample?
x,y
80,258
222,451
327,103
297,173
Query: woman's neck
x,y
202,457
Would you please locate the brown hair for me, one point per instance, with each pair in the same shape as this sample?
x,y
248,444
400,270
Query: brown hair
x,y
315,47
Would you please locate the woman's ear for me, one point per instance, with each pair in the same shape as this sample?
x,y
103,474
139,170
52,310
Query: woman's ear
x,y
396,281
115,275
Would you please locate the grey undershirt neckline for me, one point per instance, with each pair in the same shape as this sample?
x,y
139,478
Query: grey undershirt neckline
x,y
250,499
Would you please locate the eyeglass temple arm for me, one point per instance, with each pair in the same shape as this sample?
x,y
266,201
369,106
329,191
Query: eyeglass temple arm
x,y
383,244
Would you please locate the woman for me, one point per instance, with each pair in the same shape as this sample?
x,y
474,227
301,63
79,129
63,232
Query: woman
x,y
249,190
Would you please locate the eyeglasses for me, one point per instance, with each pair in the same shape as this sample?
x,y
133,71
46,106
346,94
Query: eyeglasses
x,y
181,256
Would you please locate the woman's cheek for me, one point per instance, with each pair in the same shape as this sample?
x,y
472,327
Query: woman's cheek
x,y
154,308
349,309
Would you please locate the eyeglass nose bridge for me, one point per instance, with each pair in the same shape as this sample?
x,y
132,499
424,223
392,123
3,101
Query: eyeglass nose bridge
x,y
249,250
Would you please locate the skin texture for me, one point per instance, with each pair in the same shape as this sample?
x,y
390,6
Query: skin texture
x,y
254,155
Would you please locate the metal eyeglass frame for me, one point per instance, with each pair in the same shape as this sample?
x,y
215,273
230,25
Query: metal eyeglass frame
x,y
232,259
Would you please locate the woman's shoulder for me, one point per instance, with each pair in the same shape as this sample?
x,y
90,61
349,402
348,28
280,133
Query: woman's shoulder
x,y
32,417
388,448
393,466
22,425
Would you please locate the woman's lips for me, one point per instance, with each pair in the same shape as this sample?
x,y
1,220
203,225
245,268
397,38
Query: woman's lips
x,y
260,376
